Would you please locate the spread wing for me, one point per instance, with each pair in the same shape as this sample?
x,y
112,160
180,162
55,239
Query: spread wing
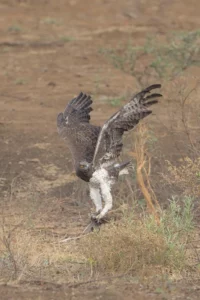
x,y
78,110
109,144
74,127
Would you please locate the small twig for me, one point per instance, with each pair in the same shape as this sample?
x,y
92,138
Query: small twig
x,y
89,228
74,285
67,284
74,238
32,44
14,97
184,119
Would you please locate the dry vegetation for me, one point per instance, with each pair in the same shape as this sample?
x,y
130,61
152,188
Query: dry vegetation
x,y
163,59
186,175
28,255
136,241
135,245
150,233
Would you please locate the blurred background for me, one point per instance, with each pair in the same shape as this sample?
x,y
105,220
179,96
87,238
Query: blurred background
x,y
49,52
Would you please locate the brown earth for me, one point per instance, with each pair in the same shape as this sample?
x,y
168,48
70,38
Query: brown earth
x,y
49,52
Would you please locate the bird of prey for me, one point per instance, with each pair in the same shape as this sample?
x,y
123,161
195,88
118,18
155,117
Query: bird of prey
x,y
95,149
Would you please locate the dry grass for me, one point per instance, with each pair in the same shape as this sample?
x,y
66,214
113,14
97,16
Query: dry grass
x,y
28,253
135,245
185,176
28,257
124,247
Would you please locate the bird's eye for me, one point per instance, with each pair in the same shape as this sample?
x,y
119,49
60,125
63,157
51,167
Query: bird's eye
x,y
81,166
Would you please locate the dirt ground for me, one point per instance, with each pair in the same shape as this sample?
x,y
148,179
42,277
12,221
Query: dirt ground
x,y
49,52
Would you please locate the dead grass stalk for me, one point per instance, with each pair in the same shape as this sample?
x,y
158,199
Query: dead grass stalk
x,y
143,162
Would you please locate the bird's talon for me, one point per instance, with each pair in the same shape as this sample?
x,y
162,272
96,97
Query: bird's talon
x,y
97,219
95,216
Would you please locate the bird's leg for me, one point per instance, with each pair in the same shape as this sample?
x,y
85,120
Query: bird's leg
x,y
96,198
107,197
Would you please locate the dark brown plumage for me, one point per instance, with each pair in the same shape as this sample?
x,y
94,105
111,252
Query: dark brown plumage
x,y
81,137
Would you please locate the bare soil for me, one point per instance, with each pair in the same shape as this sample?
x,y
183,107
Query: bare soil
x,y
49,52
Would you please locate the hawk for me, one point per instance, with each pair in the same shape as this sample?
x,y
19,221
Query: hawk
x,y
95,149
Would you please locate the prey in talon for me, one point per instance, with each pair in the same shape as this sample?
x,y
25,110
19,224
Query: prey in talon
x,y
96,150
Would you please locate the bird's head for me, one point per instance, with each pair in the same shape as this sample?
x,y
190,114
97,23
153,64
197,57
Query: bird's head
x,y
84,170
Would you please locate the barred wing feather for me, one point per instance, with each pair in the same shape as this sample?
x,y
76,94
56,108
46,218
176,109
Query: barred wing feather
x,y
109,143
